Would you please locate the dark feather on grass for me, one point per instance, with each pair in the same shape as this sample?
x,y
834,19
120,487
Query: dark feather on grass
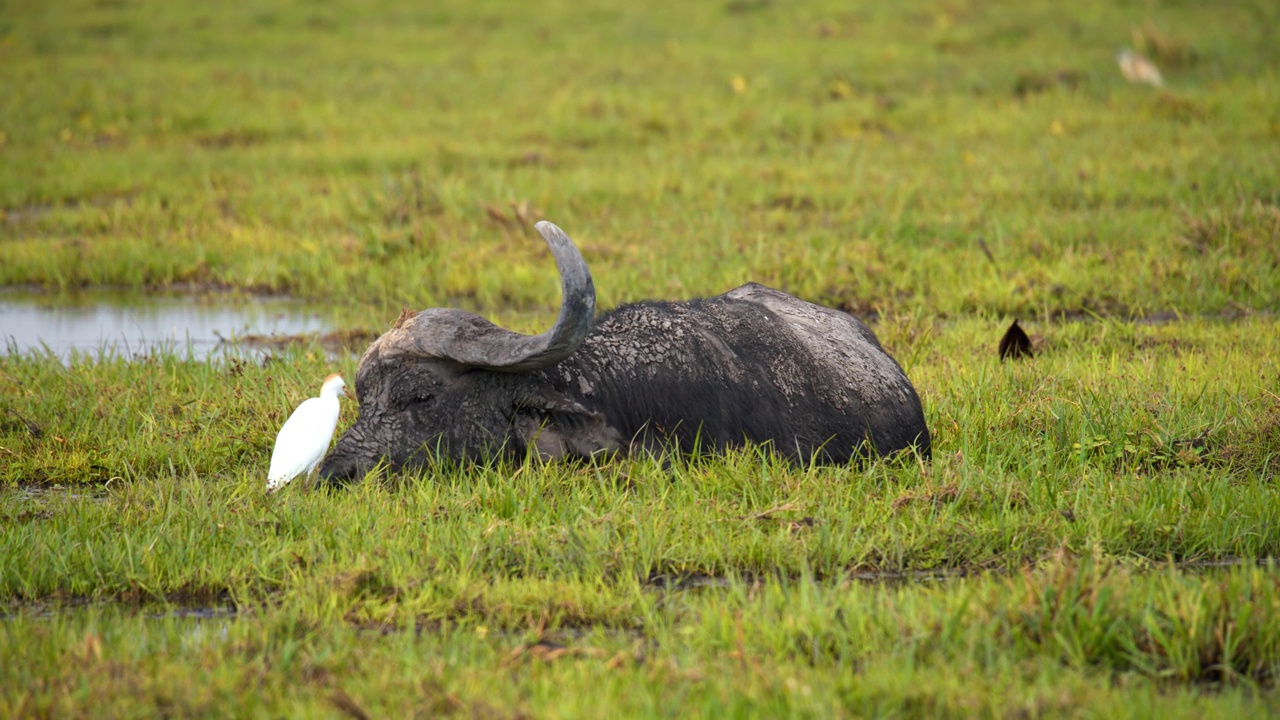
x,y
1015,343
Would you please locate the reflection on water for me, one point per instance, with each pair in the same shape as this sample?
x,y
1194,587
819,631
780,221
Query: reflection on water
x,y
130,325
36,494
153,628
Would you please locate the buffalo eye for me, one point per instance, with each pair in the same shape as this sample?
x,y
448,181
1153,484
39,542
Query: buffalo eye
x,y
414,397
412,392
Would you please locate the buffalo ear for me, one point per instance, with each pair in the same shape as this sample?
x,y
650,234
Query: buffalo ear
x,y
557,426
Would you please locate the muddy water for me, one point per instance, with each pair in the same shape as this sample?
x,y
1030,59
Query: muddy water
x,y
129,325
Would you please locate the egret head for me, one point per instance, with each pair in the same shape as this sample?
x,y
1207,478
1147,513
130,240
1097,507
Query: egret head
x,y
334,386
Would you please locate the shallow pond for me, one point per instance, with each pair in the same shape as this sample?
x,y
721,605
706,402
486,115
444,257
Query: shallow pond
x,y
128,324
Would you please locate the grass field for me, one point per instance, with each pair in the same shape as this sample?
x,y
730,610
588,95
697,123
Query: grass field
x,y
1094,535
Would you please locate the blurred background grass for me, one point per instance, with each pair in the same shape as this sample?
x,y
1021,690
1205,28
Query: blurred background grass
x,y
947,157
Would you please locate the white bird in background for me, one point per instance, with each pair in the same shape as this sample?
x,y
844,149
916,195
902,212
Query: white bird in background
x,y
306,434
1137,69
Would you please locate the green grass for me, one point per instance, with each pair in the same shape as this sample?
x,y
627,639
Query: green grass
x,y
1074,637
332,150
933,167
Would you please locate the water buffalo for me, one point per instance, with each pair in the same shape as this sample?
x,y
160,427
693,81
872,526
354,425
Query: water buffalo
x,y
752,365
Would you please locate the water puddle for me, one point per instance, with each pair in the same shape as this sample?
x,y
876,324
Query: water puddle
x,y
149,611
37,494
125,324
165,628
697,581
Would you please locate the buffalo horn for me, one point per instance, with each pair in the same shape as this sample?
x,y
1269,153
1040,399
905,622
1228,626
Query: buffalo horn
x,y
470,340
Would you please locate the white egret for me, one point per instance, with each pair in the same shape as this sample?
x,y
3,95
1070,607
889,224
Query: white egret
x,y
305,436
1137,69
